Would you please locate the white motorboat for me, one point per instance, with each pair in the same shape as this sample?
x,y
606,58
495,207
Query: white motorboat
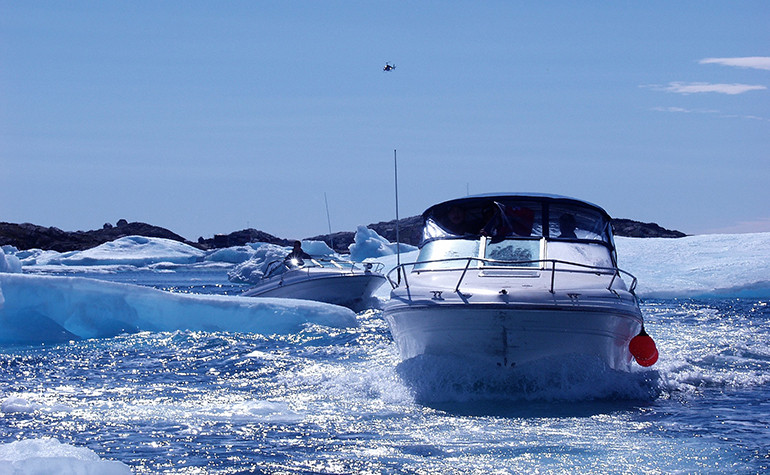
x,y
329,280
512,279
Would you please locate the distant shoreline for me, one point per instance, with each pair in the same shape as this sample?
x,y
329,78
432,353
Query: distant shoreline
x,y
31,236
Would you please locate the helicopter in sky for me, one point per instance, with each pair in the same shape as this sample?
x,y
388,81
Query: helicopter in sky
x,y
388,67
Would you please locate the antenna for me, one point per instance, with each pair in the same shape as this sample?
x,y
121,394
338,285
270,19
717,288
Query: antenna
x,y
328,220
398,244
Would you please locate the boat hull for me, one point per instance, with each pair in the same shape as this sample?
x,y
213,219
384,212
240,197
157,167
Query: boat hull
x,y
512,336
350,290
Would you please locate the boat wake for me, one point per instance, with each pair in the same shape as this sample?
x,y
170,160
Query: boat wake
x,y
439,379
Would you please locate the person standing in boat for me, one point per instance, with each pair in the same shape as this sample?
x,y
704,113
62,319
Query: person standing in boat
x,y
297,255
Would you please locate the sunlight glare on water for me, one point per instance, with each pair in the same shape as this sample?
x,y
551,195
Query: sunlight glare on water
x,y
333,400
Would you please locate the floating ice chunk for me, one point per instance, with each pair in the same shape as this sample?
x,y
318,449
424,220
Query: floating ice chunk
x,y
134,250
368,244
233,255
46,455
39,257
9,262
249,272
267,411
317,248
17,404
58,309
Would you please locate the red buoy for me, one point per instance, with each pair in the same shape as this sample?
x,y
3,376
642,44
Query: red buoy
x,y
643,349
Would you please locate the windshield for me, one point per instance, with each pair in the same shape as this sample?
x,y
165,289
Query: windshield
x,y
510,217
516,252
447,254
576,223
494,218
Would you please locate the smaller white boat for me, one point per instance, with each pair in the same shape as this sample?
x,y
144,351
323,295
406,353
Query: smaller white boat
x,y
329,280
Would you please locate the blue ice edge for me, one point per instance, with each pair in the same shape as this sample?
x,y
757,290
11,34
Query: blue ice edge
x,y
43,309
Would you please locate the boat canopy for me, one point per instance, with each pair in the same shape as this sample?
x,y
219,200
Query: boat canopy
x,y
504,216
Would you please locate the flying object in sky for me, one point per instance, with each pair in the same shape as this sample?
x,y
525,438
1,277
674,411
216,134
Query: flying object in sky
x,y
389,67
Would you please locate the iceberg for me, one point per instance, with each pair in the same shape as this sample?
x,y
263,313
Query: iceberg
x,y
135,251
370,245
709,265
41,309
8,261
251,271
317,248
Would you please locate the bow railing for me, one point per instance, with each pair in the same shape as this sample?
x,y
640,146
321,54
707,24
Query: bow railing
x,y
492,264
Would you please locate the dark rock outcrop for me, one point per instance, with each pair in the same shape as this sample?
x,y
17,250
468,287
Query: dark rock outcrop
x,y
239,238
31,236
629,228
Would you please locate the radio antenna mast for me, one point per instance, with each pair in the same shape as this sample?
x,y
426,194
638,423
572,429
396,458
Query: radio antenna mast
x,y
329,221
398,243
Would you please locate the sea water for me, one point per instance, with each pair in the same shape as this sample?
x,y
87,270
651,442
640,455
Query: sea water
x,y
331,400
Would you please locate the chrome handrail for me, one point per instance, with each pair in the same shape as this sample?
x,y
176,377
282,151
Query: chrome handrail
x,y
272,267
353,266
489,264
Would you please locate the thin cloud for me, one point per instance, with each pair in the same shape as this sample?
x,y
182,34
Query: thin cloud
x,y
682,110
700,87
752,62
716,113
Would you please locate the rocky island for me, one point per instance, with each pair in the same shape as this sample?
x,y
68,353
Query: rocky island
x,y
31,236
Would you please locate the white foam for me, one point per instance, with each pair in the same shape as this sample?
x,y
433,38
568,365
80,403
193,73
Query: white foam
x,y
445,378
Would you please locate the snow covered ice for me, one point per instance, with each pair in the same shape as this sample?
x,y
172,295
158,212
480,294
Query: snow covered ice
x,y
711,265
369,244
49,456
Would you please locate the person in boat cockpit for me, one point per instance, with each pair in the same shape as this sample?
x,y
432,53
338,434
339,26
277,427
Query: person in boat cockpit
x,y
507,221
567,226
455,222
297,255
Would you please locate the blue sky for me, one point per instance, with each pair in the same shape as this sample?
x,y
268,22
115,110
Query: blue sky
x,y
209,117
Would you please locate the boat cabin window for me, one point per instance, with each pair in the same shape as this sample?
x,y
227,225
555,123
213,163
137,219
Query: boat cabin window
x,y
587,254
496,218
274,268
447,254
515,252
576,223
